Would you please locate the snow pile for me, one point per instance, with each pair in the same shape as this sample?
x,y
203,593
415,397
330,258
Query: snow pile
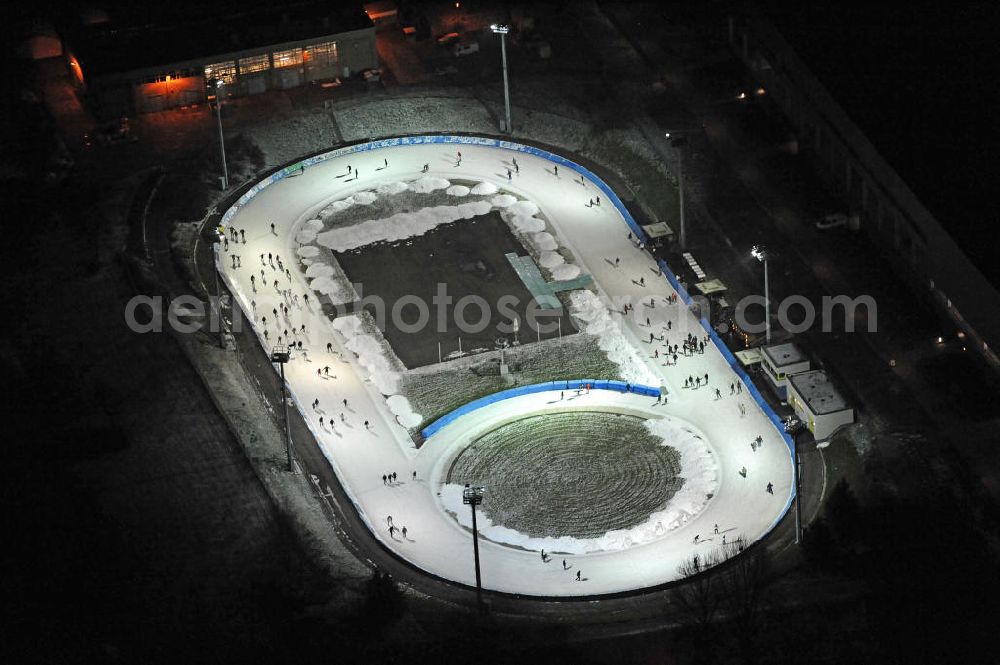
x,y
485,189
400,407
364,198
400,226
550,259
328,286
428,184
544,242
458,190
369,353
595,319
319,270
566,271
390,188
305,236
308,252
698,468
526,224
503,200
526,208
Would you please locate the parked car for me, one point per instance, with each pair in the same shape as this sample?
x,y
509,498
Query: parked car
x,y
832,221
465,49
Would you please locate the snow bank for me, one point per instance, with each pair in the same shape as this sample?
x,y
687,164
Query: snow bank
x,y
701,480
550,259
485,189
328,286
400,407
428,184
595,319
566,271
364,198
370,354
528,224
308,252
544,242
319,270
305,236
526,208
503,200
390,188
458,190
399,226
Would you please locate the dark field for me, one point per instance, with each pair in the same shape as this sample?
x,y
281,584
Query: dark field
x,y
468,258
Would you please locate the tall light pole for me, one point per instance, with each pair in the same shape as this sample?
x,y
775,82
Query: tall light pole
x,y
473,496
678,143
219,238
794,426
761,254
502,30
281,355
222,143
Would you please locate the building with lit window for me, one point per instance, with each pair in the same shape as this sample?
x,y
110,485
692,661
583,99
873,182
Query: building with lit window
x,y
139,63
779,361
818,404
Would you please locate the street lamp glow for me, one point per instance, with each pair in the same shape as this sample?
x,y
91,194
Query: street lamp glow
x,y
500,28
758,252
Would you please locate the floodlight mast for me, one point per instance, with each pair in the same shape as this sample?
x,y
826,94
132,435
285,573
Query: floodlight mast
x,y
281,354
502,30
760,253
473,496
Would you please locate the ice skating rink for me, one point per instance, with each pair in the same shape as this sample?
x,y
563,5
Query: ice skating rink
x,y
303,208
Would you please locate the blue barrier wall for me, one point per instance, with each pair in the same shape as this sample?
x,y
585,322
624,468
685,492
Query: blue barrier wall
x,y
595,384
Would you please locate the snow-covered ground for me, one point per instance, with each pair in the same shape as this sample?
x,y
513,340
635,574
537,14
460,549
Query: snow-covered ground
x,y
361,420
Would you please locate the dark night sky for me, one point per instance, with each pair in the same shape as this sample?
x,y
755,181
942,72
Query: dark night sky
x,y
924,86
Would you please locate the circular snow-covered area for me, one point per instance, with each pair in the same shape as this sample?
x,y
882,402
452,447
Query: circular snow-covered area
x,y
621,480
566,271
458,190
550,259
485,189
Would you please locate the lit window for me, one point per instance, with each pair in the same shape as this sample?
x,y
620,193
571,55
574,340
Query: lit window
x,y
255,63
321,55
290,58
220,70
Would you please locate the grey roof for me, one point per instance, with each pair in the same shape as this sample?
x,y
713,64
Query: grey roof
x,y
818,392
782,355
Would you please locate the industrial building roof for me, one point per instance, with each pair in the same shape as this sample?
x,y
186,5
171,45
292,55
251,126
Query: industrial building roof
x,y
820,395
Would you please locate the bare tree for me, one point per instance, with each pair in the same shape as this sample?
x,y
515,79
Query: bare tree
x,y
743,580
699,595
